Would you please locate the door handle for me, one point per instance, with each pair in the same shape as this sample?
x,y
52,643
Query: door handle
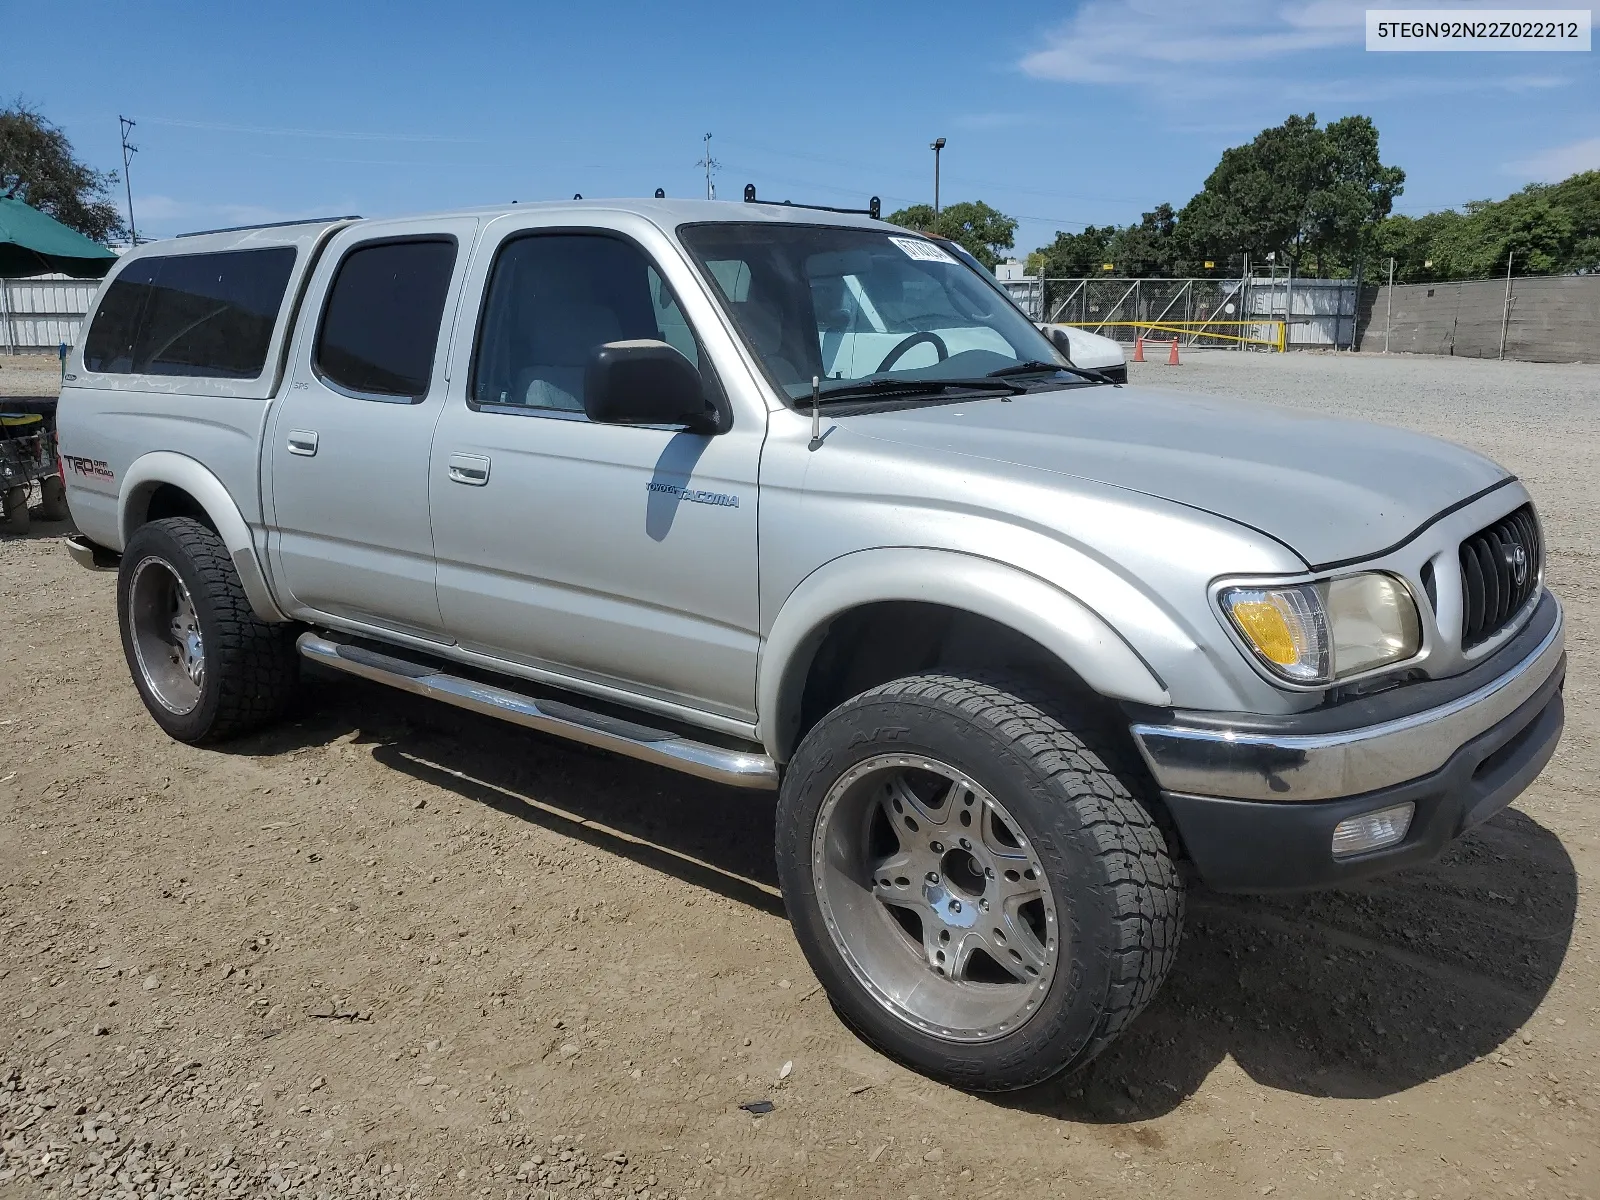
x,y
470,469
303,442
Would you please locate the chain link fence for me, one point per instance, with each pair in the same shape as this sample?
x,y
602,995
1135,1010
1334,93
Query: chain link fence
x,y
1211,312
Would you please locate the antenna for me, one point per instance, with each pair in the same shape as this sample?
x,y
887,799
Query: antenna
x,y
816,413
128,151
710,164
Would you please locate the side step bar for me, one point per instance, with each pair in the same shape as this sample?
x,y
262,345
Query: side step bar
x,y
737,768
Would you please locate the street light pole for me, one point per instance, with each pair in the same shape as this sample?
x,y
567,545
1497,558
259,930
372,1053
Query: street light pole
x,y
936,145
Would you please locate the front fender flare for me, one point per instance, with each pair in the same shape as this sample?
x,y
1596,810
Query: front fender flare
x,y
1059,622
150,471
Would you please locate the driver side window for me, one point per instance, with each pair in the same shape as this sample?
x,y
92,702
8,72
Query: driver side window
x,y
552,298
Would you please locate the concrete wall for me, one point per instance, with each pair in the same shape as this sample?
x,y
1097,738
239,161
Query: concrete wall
x,y
1553,319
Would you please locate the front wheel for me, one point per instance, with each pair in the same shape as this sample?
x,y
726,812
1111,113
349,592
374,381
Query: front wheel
x,y
205,665
977,889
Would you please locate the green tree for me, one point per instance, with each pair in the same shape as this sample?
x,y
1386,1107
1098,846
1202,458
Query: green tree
x,y
1296,190
1544,228
38,167
1148,248
1356,193
1073,255
985,232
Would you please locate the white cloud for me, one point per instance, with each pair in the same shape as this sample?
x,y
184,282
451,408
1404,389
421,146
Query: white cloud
x,y
1192,46
1130,41
1555,164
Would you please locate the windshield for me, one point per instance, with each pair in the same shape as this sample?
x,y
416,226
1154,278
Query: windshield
x,y
851,305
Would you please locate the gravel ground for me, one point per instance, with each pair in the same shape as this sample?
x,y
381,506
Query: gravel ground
x,y
393,950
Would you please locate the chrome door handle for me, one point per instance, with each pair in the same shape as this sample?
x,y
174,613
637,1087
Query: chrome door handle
x,y
470,469
303,442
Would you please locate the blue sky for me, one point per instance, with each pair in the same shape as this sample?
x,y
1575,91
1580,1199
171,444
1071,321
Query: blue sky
x,y
1061,114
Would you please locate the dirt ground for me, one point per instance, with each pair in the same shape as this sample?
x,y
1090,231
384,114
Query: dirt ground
x,y
390,949
29,374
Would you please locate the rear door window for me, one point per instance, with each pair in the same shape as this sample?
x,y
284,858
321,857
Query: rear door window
x,y
199,315
380,326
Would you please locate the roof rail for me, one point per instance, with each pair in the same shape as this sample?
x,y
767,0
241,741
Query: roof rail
x,y
874,206
272,225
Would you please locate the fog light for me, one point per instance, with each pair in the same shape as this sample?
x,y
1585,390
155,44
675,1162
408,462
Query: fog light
x,y
1372,831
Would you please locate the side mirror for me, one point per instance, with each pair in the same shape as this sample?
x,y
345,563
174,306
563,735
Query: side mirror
x,y
1063,343
645,382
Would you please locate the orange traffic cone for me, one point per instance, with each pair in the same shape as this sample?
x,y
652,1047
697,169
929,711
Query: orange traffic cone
x,y
1172,357
1138,349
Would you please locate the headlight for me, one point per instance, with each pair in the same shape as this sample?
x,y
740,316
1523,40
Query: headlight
x,y
1318,632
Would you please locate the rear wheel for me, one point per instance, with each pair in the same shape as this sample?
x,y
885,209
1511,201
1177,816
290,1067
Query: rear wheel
x,y
204,664
978,890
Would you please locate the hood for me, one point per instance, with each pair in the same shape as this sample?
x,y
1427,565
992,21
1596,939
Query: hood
x,y
1332,490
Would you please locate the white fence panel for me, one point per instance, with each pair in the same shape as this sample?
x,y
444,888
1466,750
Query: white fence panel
x,y
41,313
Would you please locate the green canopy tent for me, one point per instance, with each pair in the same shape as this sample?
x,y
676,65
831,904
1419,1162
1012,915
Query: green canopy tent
x,y
32,243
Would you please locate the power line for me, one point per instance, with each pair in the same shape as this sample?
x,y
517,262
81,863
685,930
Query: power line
x,y
271,131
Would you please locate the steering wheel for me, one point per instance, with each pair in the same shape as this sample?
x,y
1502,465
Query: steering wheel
x,y
916,339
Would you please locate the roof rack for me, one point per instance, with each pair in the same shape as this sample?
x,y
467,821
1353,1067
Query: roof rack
x,y
272,225
874,206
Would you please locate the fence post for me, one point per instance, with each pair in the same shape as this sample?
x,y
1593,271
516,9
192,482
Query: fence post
x,y
1388,315
5,316
1505,315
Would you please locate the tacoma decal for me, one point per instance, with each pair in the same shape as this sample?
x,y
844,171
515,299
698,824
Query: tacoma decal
x,y
693,496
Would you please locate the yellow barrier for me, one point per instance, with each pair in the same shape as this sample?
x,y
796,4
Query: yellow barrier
x,y
1278,339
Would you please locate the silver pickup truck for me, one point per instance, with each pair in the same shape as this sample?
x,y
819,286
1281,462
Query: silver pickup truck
x,y
797,500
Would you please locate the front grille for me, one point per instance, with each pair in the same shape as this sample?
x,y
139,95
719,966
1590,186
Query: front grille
x,y
1499,572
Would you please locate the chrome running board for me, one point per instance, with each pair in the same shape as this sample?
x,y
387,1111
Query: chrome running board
x,y
738,768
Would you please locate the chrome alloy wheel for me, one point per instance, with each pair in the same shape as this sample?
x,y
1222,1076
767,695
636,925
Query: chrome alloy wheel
x,y
166,638
934,898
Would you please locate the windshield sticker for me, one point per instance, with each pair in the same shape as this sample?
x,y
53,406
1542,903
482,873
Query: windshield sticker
x,y
922,251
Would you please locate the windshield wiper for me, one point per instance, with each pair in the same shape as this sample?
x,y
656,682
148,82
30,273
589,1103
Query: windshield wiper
x,y
884,386
1034,367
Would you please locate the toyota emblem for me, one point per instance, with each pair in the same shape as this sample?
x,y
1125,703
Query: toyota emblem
x,y
1517,559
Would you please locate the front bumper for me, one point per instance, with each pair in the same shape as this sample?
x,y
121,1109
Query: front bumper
x,y
1256,799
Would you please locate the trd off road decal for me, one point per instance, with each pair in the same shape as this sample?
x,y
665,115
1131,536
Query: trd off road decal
x,y
95,467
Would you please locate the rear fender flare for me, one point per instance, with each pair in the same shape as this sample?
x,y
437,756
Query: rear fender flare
x,y
150,471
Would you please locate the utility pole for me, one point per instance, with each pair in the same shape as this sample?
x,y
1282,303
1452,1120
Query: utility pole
x,y
710,164
936,146
128,151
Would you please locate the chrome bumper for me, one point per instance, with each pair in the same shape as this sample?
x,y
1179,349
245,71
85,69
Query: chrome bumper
x,y
1247,765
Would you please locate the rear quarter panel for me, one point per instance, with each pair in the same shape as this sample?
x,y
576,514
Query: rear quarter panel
x,y
107,421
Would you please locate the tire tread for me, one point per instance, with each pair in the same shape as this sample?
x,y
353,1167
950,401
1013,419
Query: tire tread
x,y
1084,760
253,662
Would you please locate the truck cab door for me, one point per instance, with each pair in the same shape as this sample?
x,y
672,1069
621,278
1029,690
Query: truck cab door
x,y
349,437
619,560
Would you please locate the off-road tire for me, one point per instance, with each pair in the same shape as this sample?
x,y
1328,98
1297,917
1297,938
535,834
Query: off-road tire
x,y
1118,894
252,668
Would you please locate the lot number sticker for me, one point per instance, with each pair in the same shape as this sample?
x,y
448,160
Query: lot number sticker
x,y
922,251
